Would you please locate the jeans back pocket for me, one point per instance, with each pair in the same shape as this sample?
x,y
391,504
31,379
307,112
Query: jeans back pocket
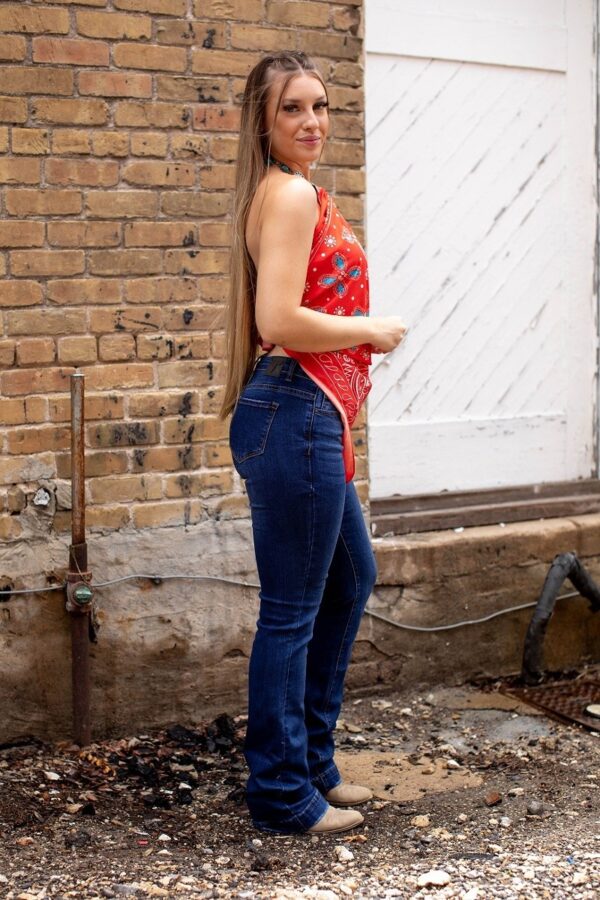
x,y
249,428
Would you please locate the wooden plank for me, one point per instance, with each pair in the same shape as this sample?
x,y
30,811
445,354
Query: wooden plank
x,y
392,28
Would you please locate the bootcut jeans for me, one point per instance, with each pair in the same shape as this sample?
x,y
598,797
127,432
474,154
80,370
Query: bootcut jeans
x,y
316,570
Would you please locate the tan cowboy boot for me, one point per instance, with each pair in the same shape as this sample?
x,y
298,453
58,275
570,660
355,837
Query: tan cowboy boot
x,y
348,794
336,820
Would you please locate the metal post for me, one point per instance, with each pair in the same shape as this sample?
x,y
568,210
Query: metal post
x,y
79,593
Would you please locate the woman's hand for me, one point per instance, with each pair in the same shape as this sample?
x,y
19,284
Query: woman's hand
x,y
389,331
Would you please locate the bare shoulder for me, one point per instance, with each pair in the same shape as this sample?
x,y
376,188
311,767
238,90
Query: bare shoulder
x,y
290,200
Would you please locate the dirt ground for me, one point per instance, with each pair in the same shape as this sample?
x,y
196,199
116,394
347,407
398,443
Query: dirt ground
x,y
476,796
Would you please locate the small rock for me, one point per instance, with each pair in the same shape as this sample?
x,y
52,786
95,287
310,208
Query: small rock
x,y
52,776
420,821
164,837
462,817
535,808
580,878
492,799
343,854
434,878
505,822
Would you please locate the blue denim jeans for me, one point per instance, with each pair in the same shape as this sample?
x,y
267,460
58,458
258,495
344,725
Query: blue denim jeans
x,y
316,570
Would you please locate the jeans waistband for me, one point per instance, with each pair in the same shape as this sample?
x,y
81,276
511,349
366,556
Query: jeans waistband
x,y
281,368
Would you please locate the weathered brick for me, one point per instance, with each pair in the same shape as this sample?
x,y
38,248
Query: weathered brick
x,y
19,469
347,19
157,173
345,98
118,376
343,153
13,109
30,20
47,262
115,84
198,483
71,140
70,112
82,171
125,262
12,48
21,233
120,204
216,118
165,459
252,37
161,290
12,412
124,488
20,171
188,373
159,234
42,202
350,207
30,140
348,73
348,126
71,51
149,143
248,10
163,403
35,381
194,204
33,351
148,56
36,80
292,12
217,455
192,34
224,148
197,89
38,439
76,350
217,177
84,234
7,353
97,463
331,45
110,143
223,62
107,518
113,25
214,234
122,434
97,406
10,529
3,138
46,321
167,512
124,319
189,146
81,291
190,318
116,347
21,293
157,7
196,262
139,114
350,181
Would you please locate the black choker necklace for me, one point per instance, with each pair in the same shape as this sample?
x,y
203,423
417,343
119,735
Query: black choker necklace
x,y
275,162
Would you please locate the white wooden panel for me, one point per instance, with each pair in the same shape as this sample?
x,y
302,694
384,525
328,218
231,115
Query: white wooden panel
x,y
480,228
485,454
493,32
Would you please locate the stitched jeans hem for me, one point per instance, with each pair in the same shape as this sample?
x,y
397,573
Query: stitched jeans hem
x,y
297,822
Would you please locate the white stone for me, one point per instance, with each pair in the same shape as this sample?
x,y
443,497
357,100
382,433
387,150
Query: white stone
x,y
434,878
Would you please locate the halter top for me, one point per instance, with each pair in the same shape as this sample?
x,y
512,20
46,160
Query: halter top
x,y
337,283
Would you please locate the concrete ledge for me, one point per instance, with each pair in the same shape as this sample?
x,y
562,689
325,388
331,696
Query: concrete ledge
x,y
445,577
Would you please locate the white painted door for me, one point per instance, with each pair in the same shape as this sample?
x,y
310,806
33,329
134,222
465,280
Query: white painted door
x,y
481,221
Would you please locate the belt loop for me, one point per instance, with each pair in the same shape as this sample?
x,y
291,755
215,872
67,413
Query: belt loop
x,y
291,369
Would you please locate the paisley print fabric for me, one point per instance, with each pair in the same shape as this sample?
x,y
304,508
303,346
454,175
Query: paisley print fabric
x,y
337,283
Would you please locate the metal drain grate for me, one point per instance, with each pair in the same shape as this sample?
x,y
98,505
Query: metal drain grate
x,y
566,700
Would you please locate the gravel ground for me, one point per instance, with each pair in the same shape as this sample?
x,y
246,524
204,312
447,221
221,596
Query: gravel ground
x,y
477,796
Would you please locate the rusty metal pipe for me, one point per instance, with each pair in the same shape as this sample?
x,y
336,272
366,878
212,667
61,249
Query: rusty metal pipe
x,y
79,594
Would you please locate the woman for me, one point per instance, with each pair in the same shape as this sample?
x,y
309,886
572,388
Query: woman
x,y
299,289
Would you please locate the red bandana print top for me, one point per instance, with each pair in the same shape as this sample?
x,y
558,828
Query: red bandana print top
x,y
337,284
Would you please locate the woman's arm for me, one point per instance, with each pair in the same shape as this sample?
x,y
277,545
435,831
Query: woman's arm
x,y
288,223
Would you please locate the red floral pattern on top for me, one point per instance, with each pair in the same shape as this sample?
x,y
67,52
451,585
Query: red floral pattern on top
x,y
337,283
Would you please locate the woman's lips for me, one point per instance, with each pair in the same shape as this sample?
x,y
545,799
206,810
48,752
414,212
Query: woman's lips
x,y
309,140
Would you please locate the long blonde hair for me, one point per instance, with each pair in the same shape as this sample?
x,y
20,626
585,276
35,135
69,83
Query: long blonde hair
x,y
241,334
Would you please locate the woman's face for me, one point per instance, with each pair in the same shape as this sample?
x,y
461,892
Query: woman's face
x,y
299,130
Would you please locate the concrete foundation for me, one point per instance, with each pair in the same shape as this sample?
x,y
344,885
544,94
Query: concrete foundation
x,y
178,650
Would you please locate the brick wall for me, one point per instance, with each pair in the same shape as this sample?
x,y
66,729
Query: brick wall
x,y
118,139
